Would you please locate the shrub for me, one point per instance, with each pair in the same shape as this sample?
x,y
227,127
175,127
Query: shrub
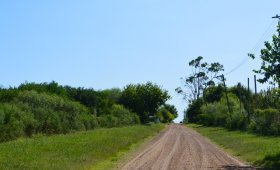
x,y
194,110
217,114
32,112
164,115
11,125
266,122
118,115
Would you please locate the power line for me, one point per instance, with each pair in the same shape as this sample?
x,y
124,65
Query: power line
x,y
268,33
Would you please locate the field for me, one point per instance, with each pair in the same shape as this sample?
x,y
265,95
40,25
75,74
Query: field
x,y
258,150
97,149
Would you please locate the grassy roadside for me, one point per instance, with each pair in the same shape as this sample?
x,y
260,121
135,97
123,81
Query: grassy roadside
x,y
258,150
97,149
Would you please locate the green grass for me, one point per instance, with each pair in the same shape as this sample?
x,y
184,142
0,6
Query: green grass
x,y
97,149
258,150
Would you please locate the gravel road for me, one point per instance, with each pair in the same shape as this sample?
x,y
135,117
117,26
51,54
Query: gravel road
x,y
179,148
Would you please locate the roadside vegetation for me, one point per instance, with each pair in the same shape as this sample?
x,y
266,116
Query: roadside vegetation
x,y
211,103
258,150
81,150
49,108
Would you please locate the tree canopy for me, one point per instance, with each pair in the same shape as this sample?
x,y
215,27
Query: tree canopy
x,y
144,99
270,55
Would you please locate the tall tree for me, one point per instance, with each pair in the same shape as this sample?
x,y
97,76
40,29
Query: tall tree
x,y
202,76
270,55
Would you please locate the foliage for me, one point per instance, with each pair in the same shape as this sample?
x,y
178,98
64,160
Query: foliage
x,y
172,109
50,108
118,116
270,55
213,93
269,98
164,115
193,110
32,112
7,95
203,75
81,150
216,114
266,122
144,99
263,152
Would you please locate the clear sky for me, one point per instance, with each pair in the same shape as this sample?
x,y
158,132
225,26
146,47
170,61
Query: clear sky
x,y
111,43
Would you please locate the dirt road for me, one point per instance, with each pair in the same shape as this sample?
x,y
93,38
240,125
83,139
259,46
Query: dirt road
x,y
182,148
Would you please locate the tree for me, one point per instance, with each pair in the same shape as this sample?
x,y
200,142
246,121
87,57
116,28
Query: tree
x,y
172,109
164,115
144,99
270,55
202,76
213,93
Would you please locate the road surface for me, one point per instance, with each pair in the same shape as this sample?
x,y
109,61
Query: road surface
x,y
182,148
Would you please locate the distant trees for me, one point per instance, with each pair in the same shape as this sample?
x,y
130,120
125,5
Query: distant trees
x,y
144,99
50,108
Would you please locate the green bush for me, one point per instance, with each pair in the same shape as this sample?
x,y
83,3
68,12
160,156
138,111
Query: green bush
x,y
266,122
194,110
118,115
164,115
11,123
217,114
33,112
206,119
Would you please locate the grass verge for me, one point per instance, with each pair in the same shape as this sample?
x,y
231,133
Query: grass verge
x,y
260,151
97,149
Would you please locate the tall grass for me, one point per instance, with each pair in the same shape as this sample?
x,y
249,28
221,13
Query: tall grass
x,y
258,150
82,150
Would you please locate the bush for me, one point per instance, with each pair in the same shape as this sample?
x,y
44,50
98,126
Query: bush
x,y
32,112
164,115
194,110
118,115
266,122
11,123
217,114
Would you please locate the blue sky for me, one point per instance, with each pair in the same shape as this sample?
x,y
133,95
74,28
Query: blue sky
x,y
108,43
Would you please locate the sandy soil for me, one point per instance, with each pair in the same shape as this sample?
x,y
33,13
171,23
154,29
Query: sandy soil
x,y
182,148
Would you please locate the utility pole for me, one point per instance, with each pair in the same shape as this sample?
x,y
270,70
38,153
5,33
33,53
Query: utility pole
x,y
256,91
248,100
239,95
255,81
277,17
223,79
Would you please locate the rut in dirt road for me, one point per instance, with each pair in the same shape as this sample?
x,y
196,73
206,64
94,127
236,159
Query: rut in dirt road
x,y
182,148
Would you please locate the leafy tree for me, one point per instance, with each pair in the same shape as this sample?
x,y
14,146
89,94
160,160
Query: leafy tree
x,y
164,115
270,55
213,93
202,76
144,99
193,110
50,88
172,109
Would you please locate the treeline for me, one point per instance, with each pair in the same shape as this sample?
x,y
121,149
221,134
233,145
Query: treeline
x,y
236,107
256,113
50,108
